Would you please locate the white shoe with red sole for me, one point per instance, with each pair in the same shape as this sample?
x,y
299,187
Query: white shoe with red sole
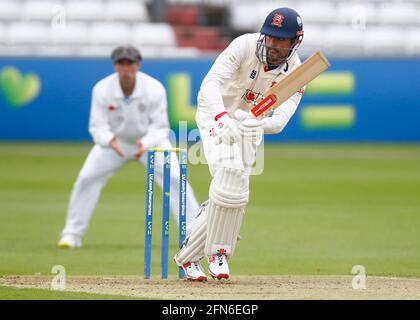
x,y
192,271
218,266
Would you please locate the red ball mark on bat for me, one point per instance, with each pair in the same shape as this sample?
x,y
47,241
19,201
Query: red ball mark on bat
x,y
111,107
273,84
301,91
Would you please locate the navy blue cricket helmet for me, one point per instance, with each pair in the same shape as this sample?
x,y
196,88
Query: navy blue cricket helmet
x,y
281,23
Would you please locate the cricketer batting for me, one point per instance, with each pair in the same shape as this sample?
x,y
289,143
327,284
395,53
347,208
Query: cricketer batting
x,y
250,65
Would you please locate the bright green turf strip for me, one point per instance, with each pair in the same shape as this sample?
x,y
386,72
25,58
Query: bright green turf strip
x,y
317,209
9,293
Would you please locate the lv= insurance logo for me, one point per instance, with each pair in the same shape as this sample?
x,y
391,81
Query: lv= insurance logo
x,y
323,116
319,116
179,99
17,89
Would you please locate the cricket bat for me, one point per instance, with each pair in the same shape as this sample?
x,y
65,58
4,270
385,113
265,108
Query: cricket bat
x,y
293,82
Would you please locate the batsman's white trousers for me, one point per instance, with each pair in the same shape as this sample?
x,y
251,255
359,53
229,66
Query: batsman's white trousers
x,y
239,156
229,189
99,166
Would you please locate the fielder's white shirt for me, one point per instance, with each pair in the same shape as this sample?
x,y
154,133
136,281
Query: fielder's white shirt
x,y
143,115
237,79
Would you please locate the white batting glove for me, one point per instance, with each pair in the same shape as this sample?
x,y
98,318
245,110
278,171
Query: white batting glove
x,y
240,115
249,127
226,129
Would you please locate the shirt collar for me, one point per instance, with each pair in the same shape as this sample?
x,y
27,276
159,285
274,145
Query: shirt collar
x,y
136,92
284,68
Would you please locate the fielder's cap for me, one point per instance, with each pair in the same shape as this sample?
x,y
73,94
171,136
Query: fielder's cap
x,y
127,53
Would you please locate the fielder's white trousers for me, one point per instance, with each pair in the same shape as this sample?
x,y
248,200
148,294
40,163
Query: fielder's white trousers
x,y
99,166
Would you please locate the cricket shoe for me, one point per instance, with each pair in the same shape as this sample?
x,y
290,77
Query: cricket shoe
x,y
218,266
192,271
69,241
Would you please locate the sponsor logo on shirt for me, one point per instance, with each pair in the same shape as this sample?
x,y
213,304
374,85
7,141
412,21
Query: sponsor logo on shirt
x,y
212,132
253,74
230,56
251,96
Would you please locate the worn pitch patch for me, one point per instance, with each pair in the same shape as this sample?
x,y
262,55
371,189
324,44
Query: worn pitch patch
x,y
239,287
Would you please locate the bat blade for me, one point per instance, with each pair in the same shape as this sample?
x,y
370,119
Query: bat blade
x,y
293,82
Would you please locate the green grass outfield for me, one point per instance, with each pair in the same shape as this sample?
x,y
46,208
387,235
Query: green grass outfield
x,y
316,210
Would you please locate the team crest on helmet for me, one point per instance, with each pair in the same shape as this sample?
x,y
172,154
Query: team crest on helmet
x,y
277,20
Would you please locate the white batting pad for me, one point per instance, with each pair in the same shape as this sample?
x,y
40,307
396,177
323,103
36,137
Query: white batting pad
x,y
193,249
229,193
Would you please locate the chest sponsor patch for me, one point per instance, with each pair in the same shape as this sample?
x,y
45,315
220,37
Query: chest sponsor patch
x,y
251,96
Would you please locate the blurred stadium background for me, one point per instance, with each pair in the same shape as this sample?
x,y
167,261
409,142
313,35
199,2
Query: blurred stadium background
x,y
61,48
191,28
347,167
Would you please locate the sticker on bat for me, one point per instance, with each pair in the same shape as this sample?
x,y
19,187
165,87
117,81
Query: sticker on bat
x,y
264,105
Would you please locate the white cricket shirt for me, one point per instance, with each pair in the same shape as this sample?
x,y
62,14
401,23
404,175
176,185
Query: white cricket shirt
x,y
237,79
143,115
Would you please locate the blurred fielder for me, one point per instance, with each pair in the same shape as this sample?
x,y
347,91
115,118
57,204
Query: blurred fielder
x,y
250,65
128,116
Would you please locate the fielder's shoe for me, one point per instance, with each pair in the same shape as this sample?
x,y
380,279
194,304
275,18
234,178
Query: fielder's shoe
x,y
193,271
218,266
69,241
